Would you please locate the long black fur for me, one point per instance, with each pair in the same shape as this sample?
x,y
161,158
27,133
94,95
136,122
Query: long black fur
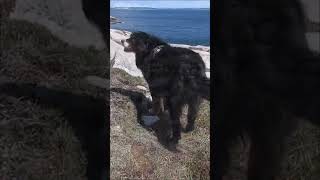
x,y
97,12
177,74
264,76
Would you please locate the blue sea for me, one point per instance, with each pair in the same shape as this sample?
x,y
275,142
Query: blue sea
x,y
178,26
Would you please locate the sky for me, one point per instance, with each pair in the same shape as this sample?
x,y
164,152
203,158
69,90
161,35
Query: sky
x,y
161,3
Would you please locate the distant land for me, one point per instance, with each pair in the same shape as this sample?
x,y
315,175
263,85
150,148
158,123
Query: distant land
x,y
150,8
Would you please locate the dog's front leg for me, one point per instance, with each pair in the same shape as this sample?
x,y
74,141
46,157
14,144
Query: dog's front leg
x,y
157,105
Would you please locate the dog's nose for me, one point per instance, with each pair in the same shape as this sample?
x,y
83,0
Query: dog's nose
x,y
122,41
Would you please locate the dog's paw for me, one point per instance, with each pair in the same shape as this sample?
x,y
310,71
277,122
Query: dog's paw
x,y
173,140
172,143
189,128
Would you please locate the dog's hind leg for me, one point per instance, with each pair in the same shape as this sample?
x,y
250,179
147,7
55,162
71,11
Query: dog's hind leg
x,y
97,151
175,109
265,157
224,136
266,148
193,109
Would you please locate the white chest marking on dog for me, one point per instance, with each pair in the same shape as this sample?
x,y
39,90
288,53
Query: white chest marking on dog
x,y
156,50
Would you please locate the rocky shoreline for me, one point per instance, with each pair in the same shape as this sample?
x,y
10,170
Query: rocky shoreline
x,y
126,61
114,20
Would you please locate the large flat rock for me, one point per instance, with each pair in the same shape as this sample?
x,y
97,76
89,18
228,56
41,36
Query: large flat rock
x,y
64,18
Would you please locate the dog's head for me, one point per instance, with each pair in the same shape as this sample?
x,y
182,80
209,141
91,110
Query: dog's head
x,y
141,42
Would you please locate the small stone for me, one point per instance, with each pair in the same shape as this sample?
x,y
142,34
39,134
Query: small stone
x,y
149,120
142,88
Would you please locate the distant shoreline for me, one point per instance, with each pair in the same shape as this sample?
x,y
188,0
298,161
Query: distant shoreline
x,y
150,8
171,43
168,41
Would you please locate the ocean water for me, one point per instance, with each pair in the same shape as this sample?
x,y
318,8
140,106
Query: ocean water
x,y
178,26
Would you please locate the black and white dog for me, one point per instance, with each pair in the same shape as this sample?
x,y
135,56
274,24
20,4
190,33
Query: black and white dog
x,y
176,77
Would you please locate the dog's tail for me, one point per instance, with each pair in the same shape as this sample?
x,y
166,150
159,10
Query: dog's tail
x,y
203,87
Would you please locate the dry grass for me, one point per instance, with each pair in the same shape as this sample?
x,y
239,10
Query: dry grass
x,y
35,141
136,152
301,161
303,157
37,144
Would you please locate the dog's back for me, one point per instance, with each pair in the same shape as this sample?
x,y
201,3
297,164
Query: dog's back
x,y
176,67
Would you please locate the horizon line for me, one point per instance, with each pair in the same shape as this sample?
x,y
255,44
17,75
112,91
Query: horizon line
x,y
119,7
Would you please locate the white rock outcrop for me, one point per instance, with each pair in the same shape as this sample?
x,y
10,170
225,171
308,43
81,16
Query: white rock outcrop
x,y
64,18
126,61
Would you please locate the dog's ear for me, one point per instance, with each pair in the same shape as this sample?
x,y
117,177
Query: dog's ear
x,y
149,44
152,42
141,46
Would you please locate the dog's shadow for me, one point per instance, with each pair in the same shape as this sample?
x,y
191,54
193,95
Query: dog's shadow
x,y
161,128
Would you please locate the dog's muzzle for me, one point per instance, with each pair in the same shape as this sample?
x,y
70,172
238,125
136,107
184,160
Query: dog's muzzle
x,y
125,45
